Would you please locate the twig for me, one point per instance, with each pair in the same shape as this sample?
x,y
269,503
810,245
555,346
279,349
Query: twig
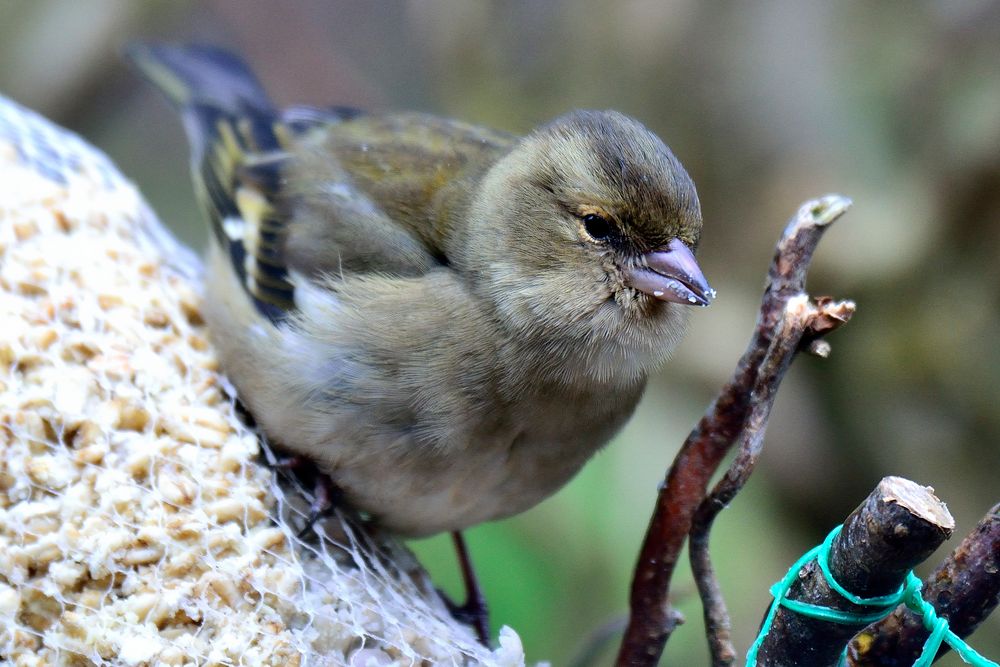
x,y
898,526
598,640
650,622
802,322
965,589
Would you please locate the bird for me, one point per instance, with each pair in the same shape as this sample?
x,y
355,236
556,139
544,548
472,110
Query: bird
x,y
449,320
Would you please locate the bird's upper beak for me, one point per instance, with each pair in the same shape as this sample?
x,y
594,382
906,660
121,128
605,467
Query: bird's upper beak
x,y
671,274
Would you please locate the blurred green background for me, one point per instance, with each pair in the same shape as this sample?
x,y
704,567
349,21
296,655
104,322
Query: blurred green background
x,y
896,104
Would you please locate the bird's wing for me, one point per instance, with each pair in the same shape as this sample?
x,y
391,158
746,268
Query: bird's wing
x,y
237,153
284,199
417,170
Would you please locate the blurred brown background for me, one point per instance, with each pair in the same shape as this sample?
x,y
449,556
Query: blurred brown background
x,y
894,104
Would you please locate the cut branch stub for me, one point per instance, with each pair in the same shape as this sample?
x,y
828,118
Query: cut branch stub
x,y
898,526
965,589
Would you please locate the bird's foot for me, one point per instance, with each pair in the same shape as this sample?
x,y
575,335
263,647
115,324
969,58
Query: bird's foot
x,y
326,495
474,611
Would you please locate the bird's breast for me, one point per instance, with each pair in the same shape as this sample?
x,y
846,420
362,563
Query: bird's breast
x,y
495,469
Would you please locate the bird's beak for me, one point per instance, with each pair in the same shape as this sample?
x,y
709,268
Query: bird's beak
x,y
671,274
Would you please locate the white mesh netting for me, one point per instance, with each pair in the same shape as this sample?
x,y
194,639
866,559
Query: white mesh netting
x,y
137,525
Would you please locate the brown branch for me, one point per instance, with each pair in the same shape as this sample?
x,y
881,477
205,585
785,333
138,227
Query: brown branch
x,y
802,323
651,620
898,526
964,589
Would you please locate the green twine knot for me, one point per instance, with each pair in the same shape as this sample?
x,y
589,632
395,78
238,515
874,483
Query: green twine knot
x,y
908,594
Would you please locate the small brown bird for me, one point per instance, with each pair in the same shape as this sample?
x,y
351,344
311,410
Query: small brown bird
x,y
448,319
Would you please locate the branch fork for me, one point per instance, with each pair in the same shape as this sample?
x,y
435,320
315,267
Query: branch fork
x,y
788,321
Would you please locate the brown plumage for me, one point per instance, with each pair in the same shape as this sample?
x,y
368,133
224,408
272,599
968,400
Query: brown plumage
x,y
450,320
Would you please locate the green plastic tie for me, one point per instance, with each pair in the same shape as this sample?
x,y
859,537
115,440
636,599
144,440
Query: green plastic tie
x,y
908,594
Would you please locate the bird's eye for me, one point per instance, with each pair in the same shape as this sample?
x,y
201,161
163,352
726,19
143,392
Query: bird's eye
x,y
597,227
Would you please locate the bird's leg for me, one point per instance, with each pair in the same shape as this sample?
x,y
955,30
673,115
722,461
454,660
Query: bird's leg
x,y
473,611
325,494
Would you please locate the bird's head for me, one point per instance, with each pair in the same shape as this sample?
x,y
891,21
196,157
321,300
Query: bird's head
x,y
588,228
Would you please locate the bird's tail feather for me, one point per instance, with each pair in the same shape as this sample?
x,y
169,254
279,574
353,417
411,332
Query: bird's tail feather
x,y
209,85
237,142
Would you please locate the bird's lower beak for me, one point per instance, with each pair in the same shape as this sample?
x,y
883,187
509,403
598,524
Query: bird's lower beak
x,y
671,274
